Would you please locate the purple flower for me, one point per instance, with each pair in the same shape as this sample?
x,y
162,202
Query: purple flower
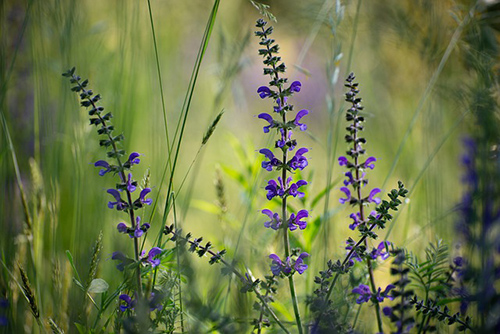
x,y
295,86
283,141
142,196
369,163
130,184
153,253
273,161
122,228
127,302
268,118
300,114
293,190
276,264
387,311
350,179
373,199
103,164
119,203
299,161
300,266
354,255
280,106
347,192
295,220
133,158
356,217
138,231
380,296
364,293
343,161
124,260
380,251
155,302
458,261
272,189
264,92
275,221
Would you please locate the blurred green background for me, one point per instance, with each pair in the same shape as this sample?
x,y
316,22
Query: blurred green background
x,y
413,62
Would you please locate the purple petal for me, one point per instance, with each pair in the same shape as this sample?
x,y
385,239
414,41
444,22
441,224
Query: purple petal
x,y
268,212
268,153
373,193
268,118
115,193
275,258
295,86
122,227
369,162
347,192
264,92
299,116
343,161
132,159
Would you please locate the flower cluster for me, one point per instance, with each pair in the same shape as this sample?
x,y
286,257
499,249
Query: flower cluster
x,y
284,186
125,187
365,294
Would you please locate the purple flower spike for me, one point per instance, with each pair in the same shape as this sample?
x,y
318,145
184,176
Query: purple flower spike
x,y
264,92
300,266
369,162
119,203
103,164
364,293
268,118
299,161
294,189
127,302
155,251
142,198
347,192
133,158
295,86
276,265
130,186
122,228
275,221
273,161
373,199
300,114
295,220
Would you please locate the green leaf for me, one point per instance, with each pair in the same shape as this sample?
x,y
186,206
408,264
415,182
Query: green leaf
x,y
98,285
